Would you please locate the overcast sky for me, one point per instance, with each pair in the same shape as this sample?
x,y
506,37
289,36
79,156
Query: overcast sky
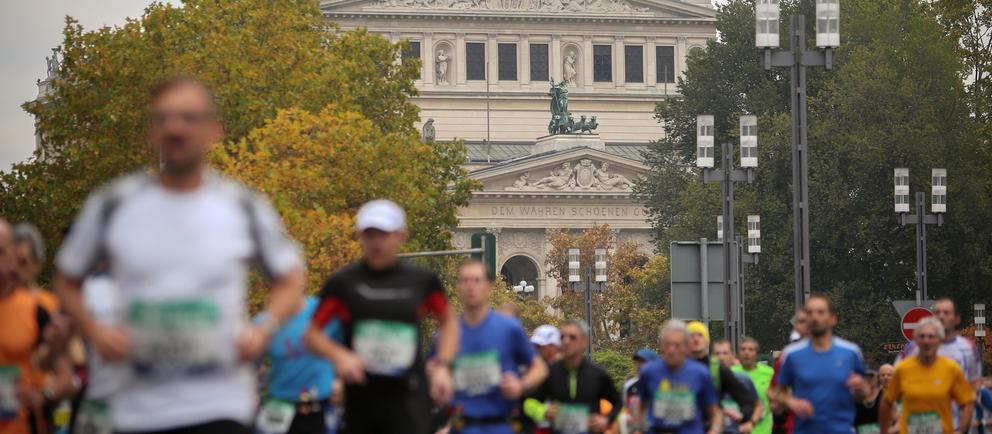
x,y
28,31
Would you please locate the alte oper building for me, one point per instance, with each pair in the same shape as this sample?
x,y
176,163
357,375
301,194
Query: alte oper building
x,y
566,158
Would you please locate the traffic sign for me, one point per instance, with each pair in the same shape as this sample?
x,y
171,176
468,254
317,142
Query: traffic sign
x,y
911,319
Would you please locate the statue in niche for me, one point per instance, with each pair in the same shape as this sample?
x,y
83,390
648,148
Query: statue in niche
x,y
441,67
428,133
607,180
558,178
568,69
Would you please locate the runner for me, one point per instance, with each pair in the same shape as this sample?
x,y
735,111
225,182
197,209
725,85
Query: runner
x,y
885,374
30,260
575,387
983,408
927,383
631,388
724,380
178,244
676,394
866,416
22,320
734,421
783,420
493,346
381,302
299,382
824,373
761,377
547,340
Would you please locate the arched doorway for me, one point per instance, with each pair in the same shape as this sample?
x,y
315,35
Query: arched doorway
x,y
519,268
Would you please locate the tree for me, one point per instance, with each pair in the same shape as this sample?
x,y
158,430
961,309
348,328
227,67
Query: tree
x,y
893,99
259,56
629,310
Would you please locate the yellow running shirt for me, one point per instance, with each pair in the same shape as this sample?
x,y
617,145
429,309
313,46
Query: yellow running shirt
x,y
926,393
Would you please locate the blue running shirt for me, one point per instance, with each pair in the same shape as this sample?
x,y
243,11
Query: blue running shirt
x,y
820,378
677,399
295,370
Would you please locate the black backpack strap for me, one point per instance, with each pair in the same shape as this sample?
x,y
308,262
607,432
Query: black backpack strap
x,y
248,201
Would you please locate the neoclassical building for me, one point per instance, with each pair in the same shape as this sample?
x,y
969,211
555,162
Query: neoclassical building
x,y
487,65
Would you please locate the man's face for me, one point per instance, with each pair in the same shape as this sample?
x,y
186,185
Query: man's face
x,y
674,348
573,342
28,268
944,311
885,374
724,354
473,287
748,353
697,343
802,324
182,128
380,247
821,321
927,339
8,258
549,353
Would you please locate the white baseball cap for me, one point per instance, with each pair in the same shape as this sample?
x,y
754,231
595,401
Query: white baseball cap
x,y
381,214
546,335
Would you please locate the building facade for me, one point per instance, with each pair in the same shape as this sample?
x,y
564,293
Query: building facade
x,y
486,70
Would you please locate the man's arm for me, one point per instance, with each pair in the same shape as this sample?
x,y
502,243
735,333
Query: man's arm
x,y
884,416
748,424
447,349
738,392
967,411
536,373
111,343
716,419
612,396
286,295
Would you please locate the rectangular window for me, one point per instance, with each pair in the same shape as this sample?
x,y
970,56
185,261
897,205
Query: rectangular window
x,y
602,63
413,52
507,54
539,62
475,60
665,60
633,58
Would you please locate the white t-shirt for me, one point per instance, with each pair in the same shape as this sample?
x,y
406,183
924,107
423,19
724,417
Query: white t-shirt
x,y
180,261
103,303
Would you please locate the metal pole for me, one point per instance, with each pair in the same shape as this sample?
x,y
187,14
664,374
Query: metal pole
x,y
921,244
800,176
589,308
704,280
727,163
741,328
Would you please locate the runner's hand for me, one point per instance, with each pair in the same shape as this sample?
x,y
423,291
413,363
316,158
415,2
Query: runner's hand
x,y
551,411
350,368
441,389
856,384
112,343
251,344
800,407
746,427
28,396
511,386
734,415
597,423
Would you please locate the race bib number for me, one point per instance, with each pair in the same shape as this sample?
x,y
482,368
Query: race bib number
x,y
275,417
9,375
175,337
674,407
93,418
924,423
477,373
868,428
572,419
388,348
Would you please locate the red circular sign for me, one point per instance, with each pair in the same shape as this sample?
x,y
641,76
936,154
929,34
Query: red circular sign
x,y
911,318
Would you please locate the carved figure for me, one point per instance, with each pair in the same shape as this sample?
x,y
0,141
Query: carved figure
x,y
441,66
568,69
428,133
53,63
522,181
558,178
607,180
588,127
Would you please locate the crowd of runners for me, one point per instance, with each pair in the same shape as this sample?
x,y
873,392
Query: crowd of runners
x,y
147,332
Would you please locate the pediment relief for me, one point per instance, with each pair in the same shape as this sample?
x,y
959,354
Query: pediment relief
x,y
576,173
642,8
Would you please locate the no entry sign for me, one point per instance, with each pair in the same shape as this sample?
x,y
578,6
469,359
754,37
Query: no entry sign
x,y
911,319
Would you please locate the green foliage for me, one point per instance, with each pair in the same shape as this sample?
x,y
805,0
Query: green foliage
x,y
894,98
619,366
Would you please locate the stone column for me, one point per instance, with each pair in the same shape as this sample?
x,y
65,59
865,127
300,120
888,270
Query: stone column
x,y
492,59
427,58
651,60
555,58
587,61
523,60
619,62
459,66
549,284
680,54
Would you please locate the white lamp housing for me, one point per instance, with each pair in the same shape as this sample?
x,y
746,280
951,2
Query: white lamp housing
x,y
704,140
600,265
753,234
719,228
766,17
902,190
980,320
573,265
827,23
938,191
523,287
749,141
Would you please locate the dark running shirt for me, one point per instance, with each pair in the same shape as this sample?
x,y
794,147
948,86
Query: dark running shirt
x,y
381,313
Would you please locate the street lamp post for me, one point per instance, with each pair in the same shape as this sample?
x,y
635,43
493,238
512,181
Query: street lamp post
x,y
797,58
727,175
921,219
523,288
600,280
